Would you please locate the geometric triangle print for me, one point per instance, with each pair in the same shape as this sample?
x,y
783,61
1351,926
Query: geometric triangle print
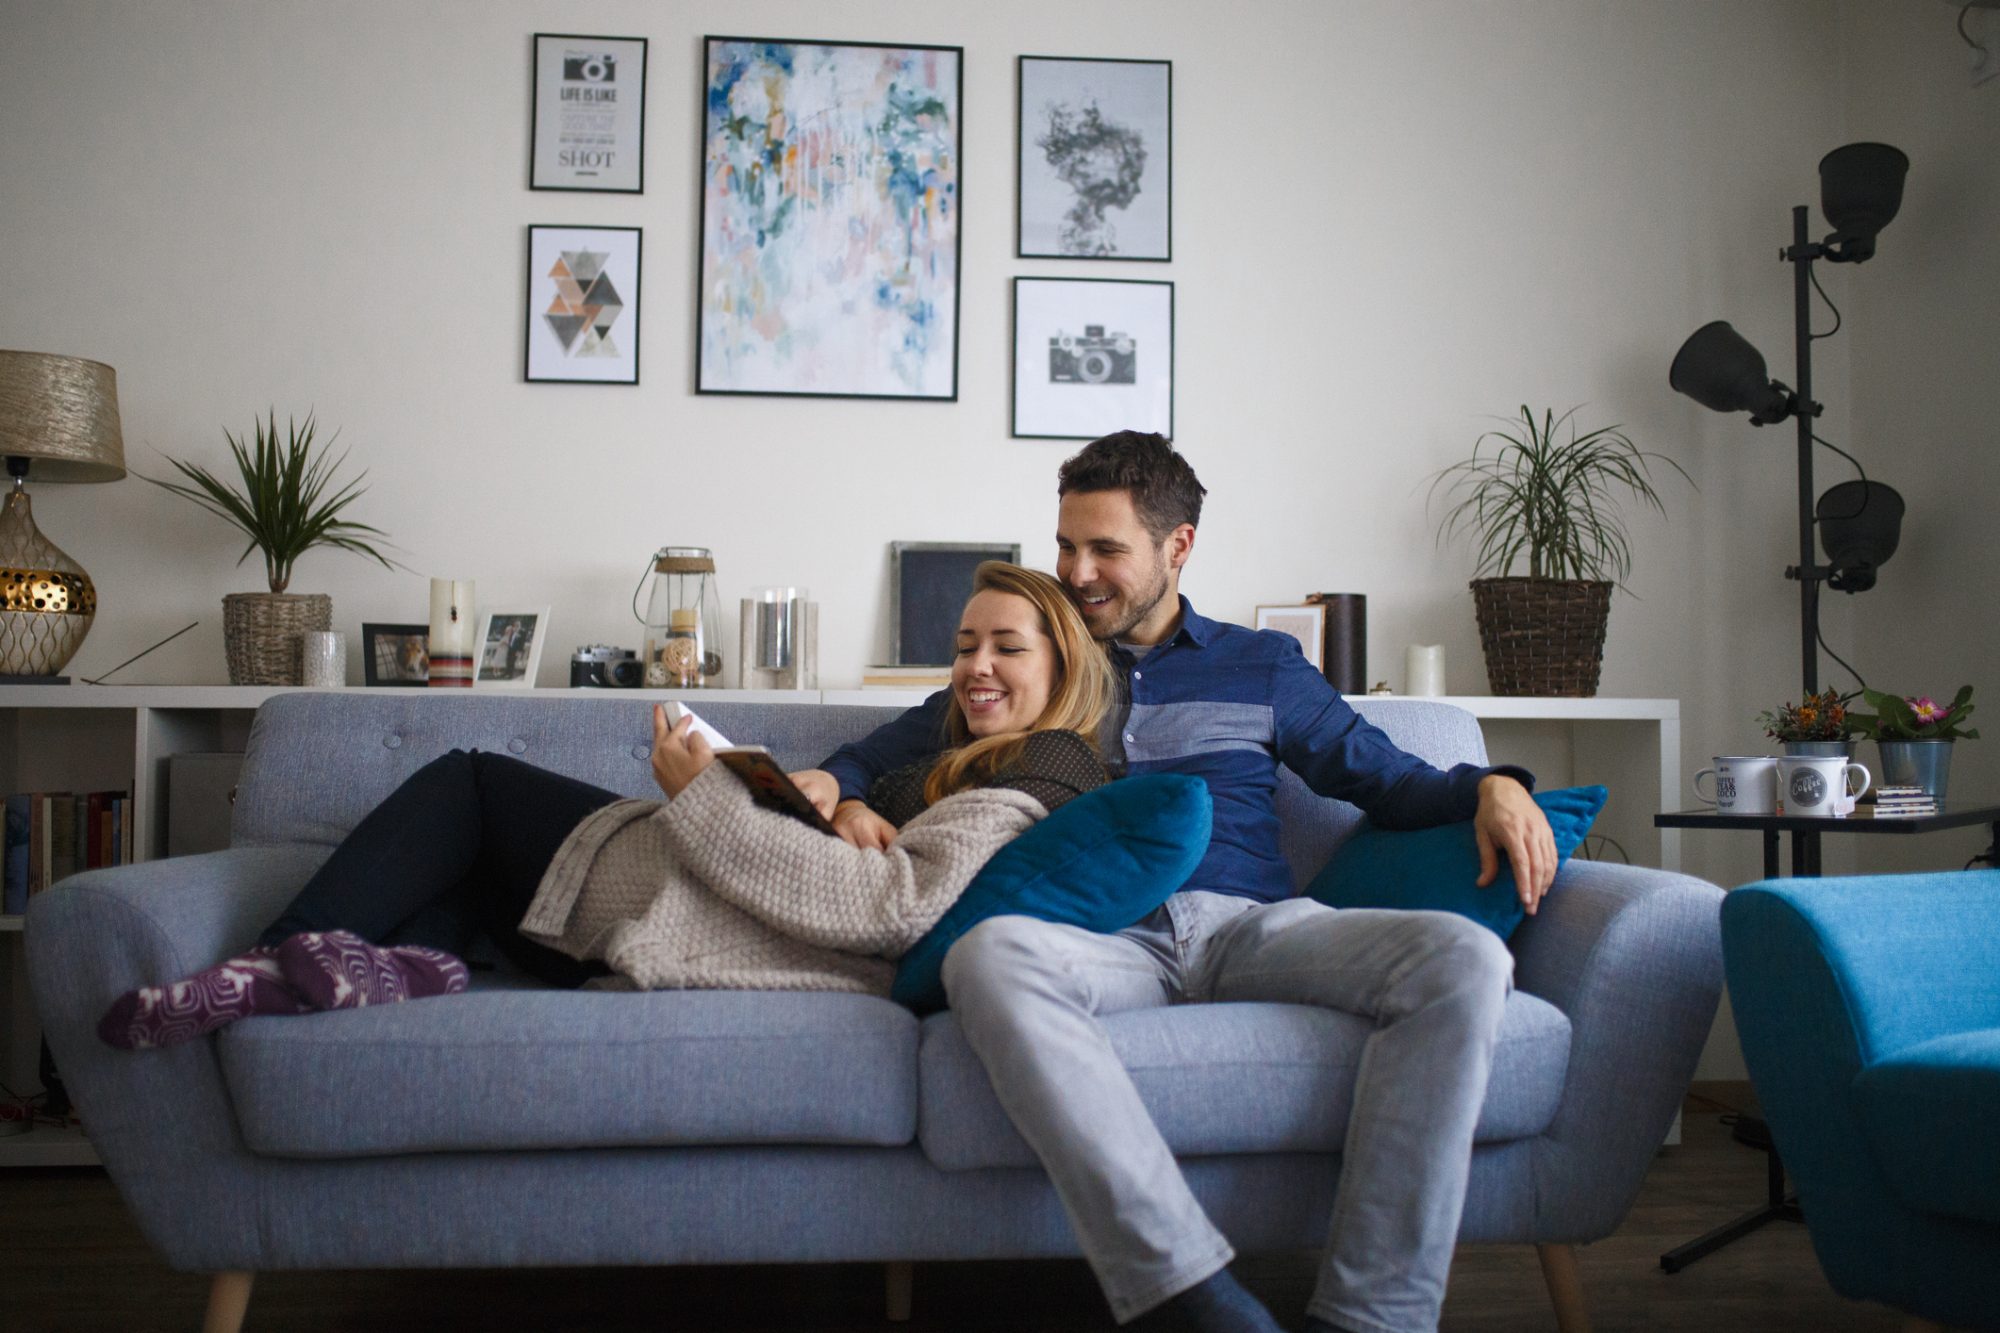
x,y
601,292
584,265
590,315
571,290
561,270
605,347
586,345
566,328
561,307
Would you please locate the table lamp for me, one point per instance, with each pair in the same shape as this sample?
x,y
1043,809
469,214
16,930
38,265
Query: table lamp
x,y
58,422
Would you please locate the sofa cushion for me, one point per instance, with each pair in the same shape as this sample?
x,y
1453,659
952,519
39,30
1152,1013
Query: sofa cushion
x,y
539,1068
1929,1113
1101,862
1436,869
1235,1078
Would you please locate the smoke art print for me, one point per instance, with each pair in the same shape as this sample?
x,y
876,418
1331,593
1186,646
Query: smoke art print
x,y
830,219
1096,147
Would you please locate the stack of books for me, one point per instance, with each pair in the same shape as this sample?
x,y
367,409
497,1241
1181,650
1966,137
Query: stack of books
x,y
52,835
905,677
1900,803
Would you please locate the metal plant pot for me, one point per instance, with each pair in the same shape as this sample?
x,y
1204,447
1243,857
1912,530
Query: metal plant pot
x,y
1925,764
1822,749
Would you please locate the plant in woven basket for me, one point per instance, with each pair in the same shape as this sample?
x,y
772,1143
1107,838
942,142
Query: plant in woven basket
x,y
1544,492
286,504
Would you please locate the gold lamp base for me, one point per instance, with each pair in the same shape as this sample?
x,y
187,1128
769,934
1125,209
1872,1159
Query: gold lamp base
x,y
47,602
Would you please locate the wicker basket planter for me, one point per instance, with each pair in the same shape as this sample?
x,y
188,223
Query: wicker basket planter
x,y
261,634
1542,636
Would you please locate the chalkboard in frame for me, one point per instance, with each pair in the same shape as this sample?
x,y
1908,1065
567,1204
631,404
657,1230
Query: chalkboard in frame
x,y
929,583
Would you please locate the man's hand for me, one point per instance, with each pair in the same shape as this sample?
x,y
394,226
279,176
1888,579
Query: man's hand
x,y
820,787
678,756
1509,821
862,827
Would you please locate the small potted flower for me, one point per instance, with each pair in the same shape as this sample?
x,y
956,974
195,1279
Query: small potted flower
x,y
1818,724
1915,734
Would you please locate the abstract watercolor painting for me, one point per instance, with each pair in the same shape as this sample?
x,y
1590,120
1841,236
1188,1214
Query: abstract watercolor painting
x,y
830,219
1096,159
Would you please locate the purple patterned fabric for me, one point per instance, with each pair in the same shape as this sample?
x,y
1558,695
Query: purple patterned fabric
x,y
337,969
153,1016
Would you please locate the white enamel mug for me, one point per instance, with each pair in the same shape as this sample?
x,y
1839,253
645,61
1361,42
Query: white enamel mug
x,y
1819,786
1745,784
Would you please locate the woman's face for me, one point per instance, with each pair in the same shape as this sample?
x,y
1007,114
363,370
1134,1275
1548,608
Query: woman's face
x,y
1005,670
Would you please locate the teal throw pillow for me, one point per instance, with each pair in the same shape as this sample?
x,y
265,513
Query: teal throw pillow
x,y
1435,869
1102,861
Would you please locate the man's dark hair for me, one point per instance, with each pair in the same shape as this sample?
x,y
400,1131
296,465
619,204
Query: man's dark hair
x,y
1163,487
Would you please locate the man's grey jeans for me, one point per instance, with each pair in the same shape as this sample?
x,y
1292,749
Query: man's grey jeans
x,y
1027,994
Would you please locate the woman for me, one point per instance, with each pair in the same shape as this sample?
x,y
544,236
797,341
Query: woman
x,y
575,884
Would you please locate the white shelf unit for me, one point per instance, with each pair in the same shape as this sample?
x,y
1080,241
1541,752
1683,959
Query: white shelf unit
x,y
90,738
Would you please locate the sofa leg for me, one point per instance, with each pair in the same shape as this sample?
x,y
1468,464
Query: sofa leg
x,y
1565,1287
228,1300
901,1275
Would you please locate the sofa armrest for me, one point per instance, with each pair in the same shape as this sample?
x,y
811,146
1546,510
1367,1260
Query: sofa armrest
x,y
1634,957
160,1120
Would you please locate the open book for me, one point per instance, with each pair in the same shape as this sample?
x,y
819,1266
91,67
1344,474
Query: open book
x,y
769,784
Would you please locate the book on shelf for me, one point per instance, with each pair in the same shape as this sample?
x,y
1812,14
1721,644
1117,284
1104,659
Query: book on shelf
x,y
53,835
905,677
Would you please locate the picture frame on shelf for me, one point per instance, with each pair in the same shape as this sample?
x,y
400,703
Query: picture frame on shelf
x,y
838,274
510,648
1305,622
929,584
1092,356
395,654
589,121
1094,158
583,305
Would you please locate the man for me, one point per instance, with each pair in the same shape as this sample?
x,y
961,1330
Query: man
x,y
1229,705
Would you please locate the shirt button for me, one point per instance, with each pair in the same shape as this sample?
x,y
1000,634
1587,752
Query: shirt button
x,y
1128,738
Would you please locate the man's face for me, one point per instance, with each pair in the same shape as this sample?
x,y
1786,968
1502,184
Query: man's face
x,y
1125,583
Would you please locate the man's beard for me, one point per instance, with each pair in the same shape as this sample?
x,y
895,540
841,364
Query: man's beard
x,y
1138,611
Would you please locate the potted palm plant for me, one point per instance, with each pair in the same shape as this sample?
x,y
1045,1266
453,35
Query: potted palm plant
x,y
1915,734
1542,492
282,499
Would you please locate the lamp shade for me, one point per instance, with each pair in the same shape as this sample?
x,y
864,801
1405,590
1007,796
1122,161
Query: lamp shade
x,y
1720,370
1860,191
1860,523
61,414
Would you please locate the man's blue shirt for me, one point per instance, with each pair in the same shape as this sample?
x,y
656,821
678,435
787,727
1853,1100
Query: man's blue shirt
x,y
1226,704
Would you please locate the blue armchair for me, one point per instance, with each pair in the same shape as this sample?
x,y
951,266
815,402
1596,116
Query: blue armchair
x,y
1869,1012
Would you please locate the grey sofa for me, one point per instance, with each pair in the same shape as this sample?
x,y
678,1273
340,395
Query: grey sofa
x,y
543,1127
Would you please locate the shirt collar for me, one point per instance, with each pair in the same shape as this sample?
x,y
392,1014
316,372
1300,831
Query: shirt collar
x,y
1195,629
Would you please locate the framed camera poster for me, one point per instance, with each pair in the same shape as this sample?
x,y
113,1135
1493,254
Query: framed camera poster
x,y
1092,356
590,113
1096,146
829,219
583,305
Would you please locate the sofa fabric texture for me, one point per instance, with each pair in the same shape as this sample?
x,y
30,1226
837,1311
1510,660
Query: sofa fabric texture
x,y
572,1127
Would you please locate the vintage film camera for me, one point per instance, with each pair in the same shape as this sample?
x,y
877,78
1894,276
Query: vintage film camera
x,y
600,666
1092,358
590,69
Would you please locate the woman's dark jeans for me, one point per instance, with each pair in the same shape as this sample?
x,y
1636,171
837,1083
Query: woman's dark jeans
x,y
458,849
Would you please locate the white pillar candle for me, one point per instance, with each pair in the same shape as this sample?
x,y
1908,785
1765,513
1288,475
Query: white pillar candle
x,y
1424,665
454,625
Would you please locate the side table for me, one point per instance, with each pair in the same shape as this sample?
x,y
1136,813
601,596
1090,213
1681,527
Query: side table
x,y
1806,834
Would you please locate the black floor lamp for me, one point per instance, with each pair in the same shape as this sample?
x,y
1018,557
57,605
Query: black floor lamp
x,y
1861,188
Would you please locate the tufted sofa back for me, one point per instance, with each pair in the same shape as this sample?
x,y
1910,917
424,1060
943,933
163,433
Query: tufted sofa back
x,y
318,761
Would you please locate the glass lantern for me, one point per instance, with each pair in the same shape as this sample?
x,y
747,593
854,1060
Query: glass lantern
x,y
683,620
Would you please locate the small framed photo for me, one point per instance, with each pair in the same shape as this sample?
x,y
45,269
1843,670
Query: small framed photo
x,y
510,648
1092,356
1096,148
583,305
395,654
1306,623
590,113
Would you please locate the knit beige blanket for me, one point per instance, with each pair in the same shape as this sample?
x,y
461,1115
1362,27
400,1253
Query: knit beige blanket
x,y
712,891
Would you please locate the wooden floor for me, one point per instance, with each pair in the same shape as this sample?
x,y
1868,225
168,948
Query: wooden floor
x,y
70,1260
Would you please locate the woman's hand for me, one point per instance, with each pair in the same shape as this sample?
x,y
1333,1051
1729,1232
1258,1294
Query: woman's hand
x,y
678,755
862,827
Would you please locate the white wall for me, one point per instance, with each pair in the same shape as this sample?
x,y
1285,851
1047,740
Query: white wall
x,y
1390,221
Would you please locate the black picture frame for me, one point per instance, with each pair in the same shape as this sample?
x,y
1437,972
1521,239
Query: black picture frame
x,y
1049,310
547,130
741,251
1140,123
929,584
551,345
378,639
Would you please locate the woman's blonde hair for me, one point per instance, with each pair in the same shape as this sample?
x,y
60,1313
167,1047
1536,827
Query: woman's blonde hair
x,y
1077,702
